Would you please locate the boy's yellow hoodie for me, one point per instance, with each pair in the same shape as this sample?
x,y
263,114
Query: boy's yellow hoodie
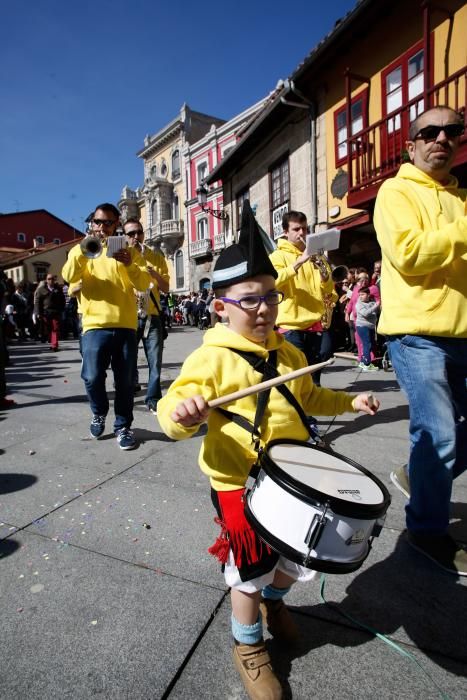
x,y
422,230
303,290
107,297
213,370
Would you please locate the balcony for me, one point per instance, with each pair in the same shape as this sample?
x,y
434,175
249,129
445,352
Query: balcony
x,y
219,241
168,235
199,249
375,153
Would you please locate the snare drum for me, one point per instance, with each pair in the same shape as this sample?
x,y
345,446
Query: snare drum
x,y
316,507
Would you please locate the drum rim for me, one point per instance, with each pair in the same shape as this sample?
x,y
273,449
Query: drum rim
x,y
351,509
327,566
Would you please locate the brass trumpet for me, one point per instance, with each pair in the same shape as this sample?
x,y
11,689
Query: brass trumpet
x,y
91,247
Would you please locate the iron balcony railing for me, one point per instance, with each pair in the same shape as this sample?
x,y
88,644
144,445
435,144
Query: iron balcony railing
x,y
376,152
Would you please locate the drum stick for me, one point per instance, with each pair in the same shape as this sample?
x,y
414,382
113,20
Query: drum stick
x,y
346,355
262,386
371,400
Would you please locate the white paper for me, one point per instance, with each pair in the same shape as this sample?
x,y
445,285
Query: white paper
x,y
325,240
115,243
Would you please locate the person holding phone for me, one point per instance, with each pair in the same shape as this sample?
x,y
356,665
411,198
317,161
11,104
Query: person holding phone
x,y
109,320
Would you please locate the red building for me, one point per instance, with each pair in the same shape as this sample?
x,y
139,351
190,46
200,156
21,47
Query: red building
x,y
26,229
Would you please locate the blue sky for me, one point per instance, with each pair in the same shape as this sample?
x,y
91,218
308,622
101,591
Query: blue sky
x,y
83,82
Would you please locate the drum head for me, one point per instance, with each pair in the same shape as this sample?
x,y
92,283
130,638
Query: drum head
x,y
327,473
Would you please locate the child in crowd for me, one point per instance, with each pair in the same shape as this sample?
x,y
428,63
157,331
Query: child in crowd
x,y
367,318
246,300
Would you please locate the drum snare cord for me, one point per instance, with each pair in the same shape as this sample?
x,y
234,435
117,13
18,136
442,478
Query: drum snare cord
x,y
382,637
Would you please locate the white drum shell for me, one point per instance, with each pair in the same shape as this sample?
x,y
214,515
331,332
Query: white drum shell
x,y
288,519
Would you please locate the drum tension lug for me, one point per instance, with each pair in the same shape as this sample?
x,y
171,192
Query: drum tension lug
x,y
316,530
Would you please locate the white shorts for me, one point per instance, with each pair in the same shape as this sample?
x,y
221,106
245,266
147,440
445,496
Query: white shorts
x,y
295,571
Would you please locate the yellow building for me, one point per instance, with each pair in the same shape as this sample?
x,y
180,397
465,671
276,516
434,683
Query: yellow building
x,y
381,65
401,58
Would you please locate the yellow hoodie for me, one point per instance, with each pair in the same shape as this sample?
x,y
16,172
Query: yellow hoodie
x,y
303,289
422,230
213,370
107,298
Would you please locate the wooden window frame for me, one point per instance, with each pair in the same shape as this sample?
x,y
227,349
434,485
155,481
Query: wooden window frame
x,y
362,95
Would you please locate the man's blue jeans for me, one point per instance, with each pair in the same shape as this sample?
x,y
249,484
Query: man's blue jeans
x,y
153,346
315,346
432,371
116,347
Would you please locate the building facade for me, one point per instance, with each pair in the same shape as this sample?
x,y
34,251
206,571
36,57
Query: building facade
x,y
383,63
209,227
159,203
23,229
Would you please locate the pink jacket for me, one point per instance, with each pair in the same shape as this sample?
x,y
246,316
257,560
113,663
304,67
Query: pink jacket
x,y
350,308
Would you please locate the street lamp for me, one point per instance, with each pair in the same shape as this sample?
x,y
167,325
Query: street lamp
x,y
202,197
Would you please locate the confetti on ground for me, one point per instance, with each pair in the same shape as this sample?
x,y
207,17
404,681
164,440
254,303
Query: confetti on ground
x,y
19,609
37,588
93,622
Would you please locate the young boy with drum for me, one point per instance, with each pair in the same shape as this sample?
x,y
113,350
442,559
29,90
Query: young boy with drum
x,y
246,300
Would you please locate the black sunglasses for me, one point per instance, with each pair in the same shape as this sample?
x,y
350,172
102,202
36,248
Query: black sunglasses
x,y
432,131
104,222
134,232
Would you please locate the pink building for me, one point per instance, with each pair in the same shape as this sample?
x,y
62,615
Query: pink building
x,y
208,233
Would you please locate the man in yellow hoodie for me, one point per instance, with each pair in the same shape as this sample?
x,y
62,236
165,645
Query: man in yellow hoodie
x,y
305,286
109,319
421,224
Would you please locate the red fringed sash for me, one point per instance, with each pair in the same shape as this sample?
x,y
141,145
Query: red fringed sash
x,y
236,533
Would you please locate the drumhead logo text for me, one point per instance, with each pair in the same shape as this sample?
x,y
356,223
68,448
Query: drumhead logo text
x,y
355,493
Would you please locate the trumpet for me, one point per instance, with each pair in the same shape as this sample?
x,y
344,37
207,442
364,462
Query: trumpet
x,y
91,247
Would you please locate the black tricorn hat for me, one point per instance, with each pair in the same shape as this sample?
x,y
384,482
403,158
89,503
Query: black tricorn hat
x,y
245,259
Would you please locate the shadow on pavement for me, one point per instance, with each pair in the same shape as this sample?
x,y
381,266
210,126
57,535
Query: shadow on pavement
x,y
8,547
405,590
15,482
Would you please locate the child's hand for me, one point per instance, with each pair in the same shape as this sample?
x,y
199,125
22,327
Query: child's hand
x,y
366,403
191,412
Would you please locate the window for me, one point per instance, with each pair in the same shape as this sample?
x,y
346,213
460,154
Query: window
x,y
155,212
202,229
40,240
245,194
202,171
41,272
176,207
176,166
280,183
21,237
179,275
403,81
57,241
359,120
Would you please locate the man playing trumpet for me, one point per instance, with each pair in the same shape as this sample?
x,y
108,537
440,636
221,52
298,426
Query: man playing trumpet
x,y
308,289
109,321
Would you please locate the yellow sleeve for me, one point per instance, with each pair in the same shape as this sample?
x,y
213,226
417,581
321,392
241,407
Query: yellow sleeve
x,y
72,271
194,379
137,272
285,271
411,249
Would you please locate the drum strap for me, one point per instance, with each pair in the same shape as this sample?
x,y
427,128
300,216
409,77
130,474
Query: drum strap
x,y
268,371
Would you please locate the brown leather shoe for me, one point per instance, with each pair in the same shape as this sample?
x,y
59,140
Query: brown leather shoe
x,y
279,621
254,666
